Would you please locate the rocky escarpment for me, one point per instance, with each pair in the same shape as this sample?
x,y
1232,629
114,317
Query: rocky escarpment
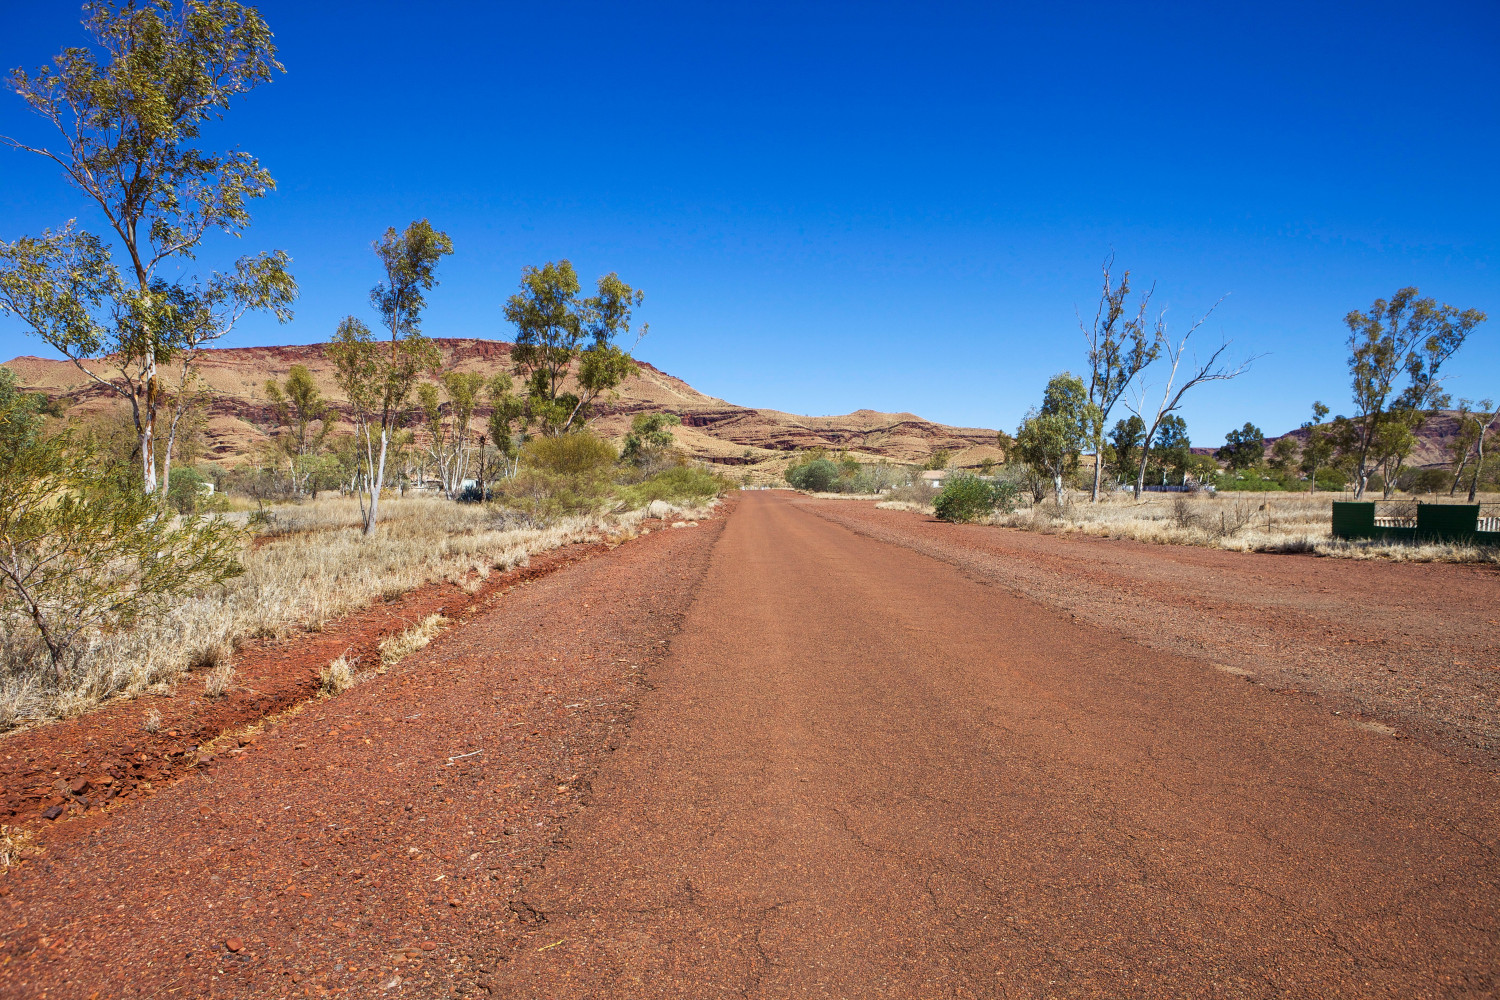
x,y
713,430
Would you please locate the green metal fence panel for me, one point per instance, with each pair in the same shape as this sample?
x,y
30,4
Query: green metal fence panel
x,y
1447,522
1353,519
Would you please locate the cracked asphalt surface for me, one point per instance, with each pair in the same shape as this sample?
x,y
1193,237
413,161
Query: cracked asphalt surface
x,y
864,773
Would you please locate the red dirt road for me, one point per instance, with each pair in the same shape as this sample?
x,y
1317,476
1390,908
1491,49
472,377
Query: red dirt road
x,y
859,772
862,774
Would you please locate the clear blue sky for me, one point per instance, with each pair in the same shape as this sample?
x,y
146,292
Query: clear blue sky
x,y
894,206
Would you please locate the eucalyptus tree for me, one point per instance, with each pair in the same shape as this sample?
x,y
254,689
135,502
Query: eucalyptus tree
x,y
558,335
1318,446
1243,448
379,382
448,424
1173,447
129,112
305,419
1396,350
506,427
1050,438
1126,438
1475,421
1117,352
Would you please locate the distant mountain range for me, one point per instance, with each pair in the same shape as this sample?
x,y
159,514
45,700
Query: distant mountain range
x,y
712,430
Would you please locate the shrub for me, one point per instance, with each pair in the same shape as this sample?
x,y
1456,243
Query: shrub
x,y
1006,495
964,498
575,454
82,550
544,496
680,483
818,476
186,494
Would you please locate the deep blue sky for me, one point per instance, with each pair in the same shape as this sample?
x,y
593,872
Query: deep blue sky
x,y
894,206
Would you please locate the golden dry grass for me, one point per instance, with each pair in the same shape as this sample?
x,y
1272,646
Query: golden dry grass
x,y
312,565
398,647
1238,522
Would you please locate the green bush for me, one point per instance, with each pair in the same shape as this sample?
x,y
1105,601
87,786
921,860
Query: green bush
x,y
569,454
83,550
1250,481
675,485
1332,480
818,476
1005,494
964,498
186,494
543,496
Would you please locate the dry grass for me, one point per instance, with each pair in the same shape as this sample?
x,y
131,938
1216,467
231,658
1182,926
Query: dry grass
x,y
15,843
310,566
398,647
1239,522
219,679
339,676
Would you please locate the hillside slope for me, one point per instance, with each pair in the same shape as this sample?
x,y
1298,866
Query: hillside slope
x,y
712,430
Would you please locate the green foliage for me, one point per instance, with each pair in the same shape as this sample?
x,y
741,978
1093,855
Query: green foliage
x,y
304,418
129,112
964,498
817,476
555,328
579,454
1331,480
1396,350
649,437
1125,440
81,550
410,259
1243,448
1284,455
189,493
20,416
679,484
1050,439
1425,480
1254,480
1120,348
939,459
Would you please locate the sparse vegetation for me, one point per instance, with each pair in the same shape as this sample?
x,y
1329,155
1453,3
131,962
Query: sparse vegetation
x,y
398,647
1286,522
339,676
312,564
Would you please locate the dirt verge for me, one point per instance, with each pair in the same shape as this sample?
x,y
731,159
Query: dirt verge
x,y
96,762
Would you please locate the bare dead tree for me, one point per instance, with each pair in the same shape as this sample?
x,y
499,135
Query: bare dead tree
x,y
1214,369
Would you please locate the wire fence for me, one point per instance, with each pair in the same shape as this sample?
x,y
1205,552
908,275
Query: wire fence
x,y
1403,513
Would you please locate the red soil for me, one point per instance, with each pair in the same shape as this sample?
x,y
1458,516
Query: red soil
x,y
93,763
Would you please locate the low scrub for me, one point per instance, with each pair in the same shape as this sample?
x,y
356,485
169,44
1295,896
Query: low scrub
x,y
1248,522
682,484
312,565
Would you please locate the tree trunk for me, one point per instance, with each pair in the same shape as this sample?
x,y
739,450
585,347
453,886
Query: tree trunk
x,y
1458,475
1098,470
375,486
1478,464
1140,475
